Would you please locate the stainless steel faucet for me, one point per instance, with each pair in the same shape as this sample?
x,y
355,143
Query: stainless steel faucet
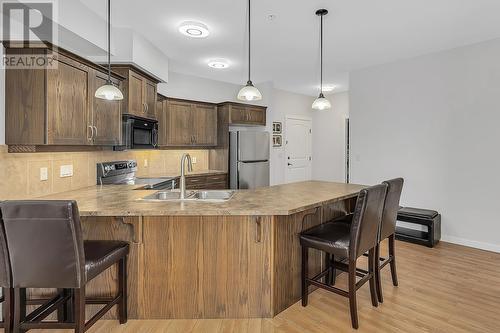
x,y
183,174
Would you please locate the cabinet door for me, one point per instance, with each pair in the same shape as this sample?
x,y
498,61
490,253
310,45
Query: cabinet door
x,y
238,114
150,99
68,103
256,116
161,115
205,125
136,104
180,127
106,117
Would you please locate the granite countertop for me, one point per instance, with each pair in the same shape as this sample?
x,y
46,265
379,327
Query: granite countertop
x,y
124,200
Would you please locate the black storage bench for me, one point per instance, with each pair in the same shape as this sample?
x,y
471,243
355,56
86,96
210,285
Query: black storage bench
x,y
424,217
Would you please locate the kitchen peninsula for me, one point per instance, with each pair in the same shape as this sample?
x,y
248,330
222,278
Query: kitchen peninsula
x,y
233,259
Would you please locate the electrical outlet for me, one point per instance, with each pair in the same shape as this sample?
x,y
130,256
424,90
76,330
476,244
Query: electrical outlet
x,y
66,171
44,173
145,163
193,160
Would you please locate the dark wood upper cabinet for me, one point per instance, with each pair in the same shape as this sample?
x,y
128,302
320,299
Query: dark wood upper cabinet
x,y
245,114
56,106
139,91
186,123
106,117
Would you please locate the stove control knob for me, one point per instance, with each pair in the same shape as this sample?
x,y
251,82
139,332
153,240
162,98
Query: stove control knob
x,y
131,165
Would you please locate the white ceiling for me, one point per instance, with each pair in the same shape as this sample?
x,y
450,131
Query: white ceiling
x,y
358,34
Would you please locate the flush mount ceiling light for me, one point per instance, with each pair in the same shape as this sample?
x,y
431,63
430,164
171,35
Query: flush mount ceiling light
x,y
249,92
109,91
321,103
218,63
194,29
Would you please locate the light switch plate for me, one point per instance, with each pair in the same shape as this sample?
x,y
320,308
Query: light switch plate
x,y
145,163
44,174
66,171
193,160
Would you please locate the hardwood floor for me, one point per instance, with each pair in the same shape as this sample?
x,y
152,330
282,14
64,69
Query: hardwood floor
x,y
446,289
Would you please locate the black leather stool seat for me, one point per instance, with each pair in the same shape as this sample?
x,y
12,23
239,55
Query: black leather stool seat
x,y
331,237
417,212
100,255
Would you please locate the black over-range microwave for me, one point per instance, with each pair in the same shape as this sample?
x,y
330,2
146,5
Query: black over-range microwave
x,y
139,133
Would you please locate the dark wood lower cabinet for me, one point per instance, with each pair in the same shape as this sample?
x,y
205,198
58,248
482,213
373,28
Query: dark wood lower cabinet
x,y
207,182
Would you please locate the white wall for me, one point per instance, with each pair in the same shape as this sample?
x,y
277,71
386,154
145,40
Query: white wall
x,y
2,100
434,120
329,140
285,103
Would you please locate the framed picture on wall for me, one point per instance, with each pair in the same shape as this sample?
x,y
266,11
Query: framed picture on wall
x,y
277,127
277,141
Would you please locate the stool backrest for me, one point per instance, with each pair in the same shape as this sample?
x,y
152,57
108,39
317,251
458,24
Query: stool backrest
x,y
45,244
366,219
391,207
5,276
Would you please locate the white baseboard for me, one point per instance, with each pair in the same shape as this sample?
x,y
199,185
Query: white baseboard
x,y
471,243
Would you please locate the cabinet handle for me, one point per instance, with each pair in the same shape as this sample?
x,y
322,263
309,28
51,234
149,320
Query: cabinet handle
x,y
89,138
95,127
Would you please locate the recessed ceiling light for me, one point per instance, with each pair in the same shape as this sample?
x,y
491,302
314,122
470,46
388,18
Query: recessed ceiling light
x,y
218,63
194,29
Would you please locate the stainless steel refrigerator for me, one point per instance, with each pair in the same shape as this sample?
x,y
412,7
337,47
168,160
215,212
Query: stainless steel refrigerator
x,y
248,159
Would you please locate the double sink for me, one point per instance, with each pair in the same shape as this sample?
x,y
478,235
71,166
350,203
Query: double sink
x,y
203,195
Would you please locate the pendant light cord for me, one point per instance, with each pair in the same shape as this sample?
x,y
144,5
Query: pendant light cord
x,y
249,39
321,55
109,41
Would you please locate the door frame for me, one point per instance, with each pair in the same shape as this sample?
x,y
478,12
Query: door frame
x,y
287,118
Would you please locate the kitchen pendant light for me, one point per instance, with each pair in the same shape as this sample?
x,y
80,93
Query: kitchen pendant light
x,y
321,103
249,92
109,91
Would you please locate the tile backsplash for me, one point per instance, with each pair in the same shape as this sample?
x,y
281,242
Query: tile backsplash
x,y
20,173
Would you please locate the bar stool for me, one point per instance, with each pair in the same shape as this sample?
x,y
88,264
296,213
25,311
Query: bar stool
x,y
46,250
351,241
388,231
5,282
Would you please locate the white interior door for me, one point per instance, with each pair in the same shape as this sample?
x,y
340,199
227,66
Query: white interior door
x,y
298,149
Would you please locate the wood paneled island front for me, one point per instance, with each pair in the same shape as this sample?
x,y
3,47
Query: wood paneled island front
x,y
237,259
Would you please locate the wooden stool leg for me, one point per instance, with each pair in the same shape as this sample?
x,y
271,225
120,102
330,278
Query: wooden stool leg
x,y
305,285
371,270
378,278
328,265
122,289
352,294
19,309
392,257
334,271
8,294
79,309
